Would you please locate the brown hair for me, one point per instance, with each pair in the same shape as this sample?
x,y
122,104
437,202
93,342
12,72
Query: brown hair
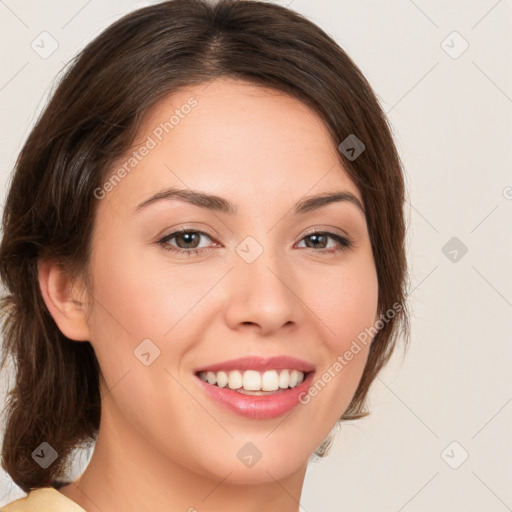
x,y
92,120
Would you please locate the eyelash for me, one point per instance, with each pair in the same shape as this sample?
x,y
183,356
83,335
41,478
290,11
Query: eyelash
x,y
343,242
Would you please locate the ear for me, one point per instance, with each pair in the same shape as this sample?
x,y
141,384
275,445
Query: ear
x,y
64,299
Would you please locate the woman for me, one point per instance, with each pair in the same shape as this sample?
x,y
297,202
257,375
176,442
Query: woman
x,y
204,247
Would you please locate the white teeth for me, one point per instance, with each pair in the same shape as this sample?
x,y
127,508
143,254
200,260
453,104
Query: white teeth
x,y
222,379
253,380
235,379
284,379
270,381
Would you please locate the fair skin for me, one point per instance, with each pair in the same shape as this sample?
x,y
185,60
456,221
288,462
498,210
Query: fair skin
x,y
163,443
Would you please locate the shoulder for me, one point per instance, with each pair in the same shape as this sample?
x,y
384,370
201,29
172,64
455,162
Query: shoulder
x,y
44,499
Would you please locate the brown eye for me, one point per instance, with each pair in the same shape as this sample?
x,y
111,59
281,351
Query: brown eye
x,y
319,240
187,241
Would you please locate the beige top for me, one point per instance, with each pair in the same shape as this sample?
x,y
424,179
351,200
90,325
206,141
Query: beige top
x,y
44,499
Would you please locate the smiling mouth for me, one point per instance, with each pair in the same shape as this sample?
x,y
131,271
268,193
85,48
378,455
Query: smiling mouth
x,y
254,382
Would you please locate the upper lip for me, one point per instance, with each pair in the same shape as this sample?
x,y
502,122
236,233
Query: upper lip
x,y
259,363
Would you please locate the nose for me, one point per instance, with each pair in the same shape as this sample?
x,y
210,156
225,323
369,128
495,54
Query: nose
x,y
263,295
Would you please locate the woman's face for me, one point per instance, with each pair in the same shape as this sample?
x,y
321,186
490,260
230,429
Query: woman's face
x,y
254,281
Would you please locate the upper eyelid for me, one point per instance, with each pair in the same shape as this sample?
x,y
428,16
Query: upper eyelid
x,y
314,231
177,232
172,234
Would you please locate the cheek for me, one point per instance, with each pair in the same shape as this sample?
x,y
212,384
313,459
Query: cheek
x,y
138,298
345,301
346,306
128,291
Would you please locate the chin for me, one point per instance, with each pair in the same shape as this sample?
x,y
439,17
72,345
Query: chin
x,y
256,460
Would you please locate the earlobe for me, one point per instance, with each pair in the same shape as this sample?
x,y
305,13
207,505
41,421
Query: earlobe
x,y
66,306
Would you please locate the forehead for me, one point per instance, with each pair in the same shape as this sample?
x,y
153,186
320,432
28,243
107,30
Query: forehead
x,y
233,139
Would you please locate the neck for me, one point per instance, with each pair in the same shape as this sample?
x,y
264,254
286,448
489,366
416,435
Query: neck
x,y
126,472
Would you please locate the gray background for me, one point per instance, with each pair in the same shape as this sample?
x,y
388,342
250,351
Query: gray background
x,y
451,112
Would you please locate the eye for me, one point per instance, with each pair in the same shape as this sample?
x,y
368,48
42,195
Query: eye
x,y
188,241
318,239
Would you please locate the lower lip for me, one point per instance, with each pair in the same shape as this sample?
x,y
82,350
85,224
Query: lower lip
x,y
258,406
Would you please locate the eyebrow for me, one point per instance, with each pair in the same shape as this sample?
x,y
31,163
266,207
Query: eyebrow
x,y
221,205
